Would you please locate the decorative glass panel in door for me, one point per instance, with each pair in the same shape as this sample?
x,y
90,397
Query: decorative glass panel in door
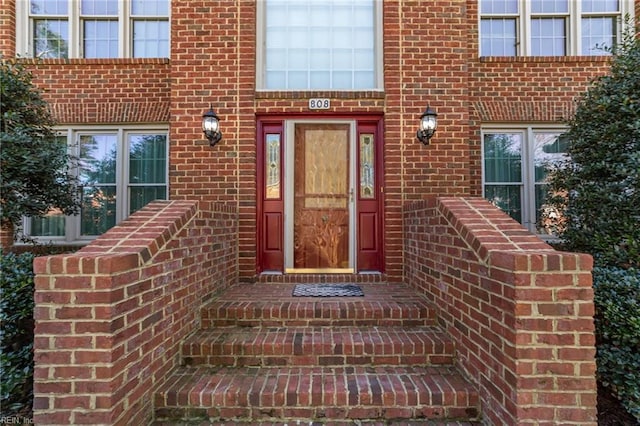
x,y
321,196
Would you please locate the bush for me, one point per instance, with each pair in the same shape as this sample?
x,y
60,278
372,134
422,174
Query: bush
x,y
16,332
617,301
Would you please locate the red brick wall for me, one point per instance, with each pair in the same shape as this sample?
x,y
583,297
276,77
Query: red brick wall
x,y
110,318
430,57
105,91
7,28
521,313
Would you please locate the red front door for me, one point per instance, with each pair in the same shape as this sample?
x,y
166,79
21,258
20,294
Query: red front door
x,y
320,195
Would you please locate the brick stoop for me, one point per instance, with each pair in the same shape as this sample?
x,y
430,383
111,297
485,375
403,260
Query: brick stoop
x,y
265,357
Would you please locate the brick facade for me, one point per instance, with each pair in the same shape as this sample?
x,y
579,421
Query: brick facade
x,y
521,313
110,318
213,62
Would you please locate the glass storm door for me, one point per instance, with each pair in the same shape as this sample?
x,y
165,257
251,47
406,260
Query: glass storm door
x,y
319,186
319,203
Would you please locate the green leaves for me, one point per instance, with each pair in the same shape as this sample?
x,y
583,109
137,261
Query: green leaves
x,y
617,319
35,169
599,192
16,331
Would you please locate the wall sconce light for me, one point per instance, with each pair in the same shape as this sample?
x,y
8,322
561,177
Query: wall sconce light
x,y
211,126
428,125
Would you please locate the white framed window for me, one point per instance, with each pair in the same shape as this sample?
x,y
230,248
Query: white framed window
x,y
550,27
319,45
93,28
516,162
120,170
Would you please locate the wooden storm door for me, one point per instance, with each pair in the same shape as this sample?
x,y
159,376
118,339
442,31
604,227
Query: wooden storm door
x,y
320,196
319,218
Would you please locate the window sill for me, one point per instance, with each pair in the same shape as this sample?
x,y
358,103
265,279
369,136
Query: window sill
x,y
92,61
544,59
333,94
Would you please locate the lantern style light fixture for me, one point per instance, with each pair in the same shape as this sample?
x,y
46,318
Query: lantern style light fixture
x,y
428,125
211,126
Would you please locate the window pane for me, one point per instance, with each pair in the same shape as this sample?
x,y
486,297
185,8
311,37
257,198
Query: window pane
x,y
319,45
503,157
147,159
49,7
498,6
140,196
600,6
498,37
598,33
51,38
150,7
99,7
507,198
272,166
150,39
50,225
367,166
98,159
98,210
100,39
548,37
549,152
549,6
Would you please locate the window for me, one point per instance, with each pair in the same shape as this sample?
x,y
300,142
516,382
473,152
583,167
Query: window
x,y
516,164
320,44
120,171
94,28
550,27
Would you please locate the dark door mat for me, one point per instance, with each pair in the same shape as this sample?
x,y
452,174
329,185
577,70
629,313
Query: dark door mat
x,y
327,290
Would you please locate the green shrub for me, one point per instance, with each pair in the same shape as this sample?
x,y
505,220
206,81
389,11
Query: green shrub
x,y
617,301
16,332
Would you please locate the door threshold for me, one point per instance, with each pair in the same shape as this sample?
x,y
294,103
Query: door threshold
x,y
319,271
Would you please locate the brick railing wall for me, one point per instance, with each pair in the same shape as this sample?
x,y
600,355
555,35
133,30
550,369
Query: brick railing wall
x,y
109,318
520,312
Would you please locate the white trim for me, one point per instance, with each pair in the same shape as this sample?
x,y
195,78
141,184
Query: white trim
x,y
527,178
25,30
378,29
289,173
72,223
573,23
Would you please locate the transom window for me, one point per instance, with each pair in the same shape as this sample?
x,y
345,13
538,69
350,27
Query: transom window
x,y
94,28
550,27
516,163
320,44
120,171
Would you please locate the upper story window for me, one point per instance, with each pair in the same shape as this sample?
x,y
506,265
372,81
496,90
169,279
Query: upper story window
x,y
120,170
94,28
515,165
550,27
319,45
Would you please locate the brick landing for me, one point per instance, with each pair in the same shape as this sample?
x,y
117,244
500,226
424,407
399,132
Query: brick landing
x,y
263,356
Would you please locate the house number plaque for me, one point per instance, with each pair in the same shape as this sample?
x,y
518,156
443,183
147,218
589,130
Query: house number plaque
x,y
319,103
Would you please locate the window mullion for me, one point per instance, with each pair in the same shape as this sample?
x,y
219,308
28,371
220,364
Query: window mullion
x,y
75,30
528,181
124,31
575,13
524,16
122,176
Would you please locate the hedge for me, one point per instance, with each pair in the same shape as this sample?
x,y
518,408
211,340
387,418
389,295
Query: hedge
x,y
617,319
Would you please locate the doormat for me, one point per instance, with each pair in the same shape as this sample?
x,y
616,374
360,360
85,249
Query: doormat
x,y
327,290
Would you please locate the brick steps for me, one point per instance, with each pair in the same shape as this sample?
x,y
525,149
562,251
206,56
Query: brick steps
x,y
277,393
271,305
323,346
265,357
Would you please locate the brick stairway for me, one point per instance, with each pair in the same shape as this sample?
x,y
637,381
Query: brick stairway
x,y
265,357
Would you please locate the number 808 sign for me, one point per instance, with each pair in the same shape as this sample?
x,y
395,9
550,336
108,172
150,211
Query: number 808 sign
x,y
319,103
